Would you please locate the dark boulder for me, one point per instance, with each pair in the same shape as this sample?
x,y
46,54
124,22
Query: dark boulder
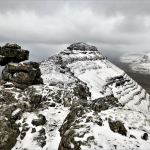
x,y
145,136
40,121
22,75
105,103
33,130
12,53
117,126
9,132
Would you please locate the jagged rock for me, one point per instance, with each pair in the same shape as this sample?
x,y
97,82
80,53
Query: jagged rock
x,y
82,46
33,130
12,53
117,126
67,130
8,133
104,103
8,96
22,75
40,121
22,135
23,132
145,136
34,94
52,104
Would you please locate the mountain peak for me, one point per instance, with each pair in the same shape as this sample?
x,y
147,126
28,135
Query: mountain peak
x,y
82,46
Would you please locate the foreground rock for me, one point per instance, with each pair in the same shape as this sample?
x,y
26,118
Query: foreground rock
x,y
22,75
9,132
12,53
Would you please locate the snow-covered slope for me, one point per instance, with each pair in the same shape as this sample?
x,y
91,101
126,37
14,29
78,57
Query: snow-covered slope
x,y
101,77
86,102
138,62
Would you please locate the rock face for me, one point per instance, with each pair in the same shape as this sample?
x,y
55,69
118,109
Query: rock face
x,y
85,103
8,135
82,47
117,126
12,53
22,75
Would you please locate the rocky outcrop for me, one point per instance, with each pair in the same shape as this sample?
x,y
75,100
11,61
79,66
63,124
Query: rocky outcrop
x,y
19,75
145,136
22,75
105,103
117,126
40,121
82,47
14,101
79,119
12,53
9,132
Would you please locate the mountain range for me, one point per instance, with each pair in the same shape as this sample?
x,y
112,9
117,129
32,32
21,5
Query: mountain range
x,y
76,100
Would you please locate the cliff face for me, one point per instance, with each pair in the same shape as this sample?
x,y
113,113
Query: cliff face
x,y
86,102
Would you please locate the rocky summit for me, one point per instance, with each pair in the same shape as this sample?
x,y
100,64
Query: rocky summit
x,y
85,102
12,53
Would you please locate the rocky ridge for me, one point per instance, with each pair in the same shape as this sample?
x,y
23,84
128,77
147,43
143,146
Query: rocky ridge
x,y
86,102
13,101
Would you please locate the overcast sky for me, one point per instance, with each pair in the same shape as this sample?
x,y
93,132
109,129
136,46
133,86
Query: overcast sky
x,y
48,27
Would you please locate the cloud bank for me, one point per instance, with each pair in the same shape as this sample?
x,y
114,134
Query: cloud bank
x,y
47,27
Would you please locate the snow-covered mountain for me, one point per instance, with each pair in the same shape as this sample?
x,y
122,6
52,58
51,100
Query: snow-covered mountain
x,y
138,62
86,102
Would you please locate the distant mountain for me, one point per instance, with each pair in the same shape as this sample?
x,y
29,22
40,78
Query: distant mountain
x,y
86,102
138,62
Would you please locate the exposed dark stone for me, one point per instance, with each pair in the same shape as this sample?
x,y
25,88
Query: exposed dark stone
x,y
22,75
42,131
9,131
82,46
132,136
22,135
145,136
117,126
81,91
104,103
40,121
33,130
12,53
52,104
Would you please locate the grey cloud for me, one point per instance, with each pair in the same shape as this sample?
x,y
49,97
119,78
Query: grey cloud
x,y
127,8
47,27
